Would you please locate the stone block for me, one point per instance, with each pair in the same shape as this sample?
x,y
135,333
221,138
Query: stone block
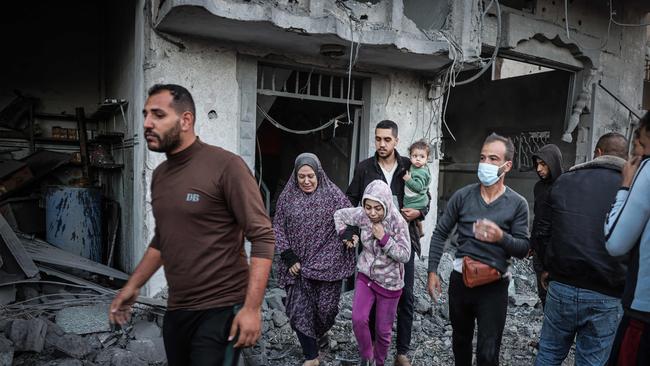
x,y
30,293
143,329
7,294
147,350
279,318
71,344
28,335
275,302
422,305
64,362
118,357
6,351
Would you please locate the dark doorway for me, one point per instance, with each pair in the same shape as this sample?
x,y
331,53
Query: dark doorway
x,y
528,106
277,148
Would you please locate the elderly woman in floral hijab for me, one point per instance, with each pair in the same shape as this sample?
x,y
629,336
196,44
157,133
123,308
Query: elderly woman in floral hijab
x,y
314,261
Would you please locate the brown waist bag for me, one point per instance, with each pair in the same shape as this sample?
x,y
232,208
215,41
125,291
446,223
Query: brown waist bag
x,y
476,273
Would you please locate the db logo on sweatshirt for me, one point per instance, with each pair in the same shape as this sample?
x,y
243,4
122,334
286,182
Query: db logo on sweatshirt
x,y
192,197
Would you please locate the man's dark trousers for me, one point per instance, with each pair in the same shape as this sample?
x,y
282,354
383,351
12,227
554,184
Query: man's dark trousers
x,y
488,304
405,308
200,337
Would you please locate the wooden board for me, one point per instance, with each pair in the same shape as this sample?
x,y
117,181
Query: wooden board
x,y
44,252
13,244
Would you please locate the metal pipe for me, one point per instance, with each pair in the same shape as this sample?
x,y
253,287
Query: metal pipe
x,y
320,82
634,113
83,143
32,142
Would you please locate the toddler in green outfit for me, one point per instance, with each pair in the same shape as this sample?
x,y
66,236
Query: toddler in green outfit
x,y
417,179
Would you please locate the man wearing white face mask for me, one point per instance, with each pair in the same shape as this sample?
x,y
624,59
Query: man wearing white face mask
x,y
492,227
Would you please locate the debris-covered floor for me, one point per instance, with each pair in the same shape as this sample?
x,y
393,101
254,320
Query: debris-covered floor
x,y
53,321
431,343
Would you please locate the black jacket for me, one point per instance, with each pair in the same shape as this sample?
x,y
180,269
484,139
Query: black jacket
x,y
369,170
571,228
551,155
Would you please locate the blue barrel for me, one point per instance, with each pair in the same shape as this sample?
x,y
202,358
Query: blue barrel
x,y
73,220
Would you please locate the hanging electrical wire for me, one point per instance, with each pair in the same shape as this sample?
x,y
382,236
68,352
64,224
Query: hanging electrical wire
x,y
299,132
604,42
450,73
494,53
347,100
354,55
612,20
259,152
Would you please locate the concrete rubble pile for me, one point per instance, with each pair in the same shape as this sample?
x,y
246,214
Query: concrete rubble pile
x,y
54,309
431,342
60,326
54,324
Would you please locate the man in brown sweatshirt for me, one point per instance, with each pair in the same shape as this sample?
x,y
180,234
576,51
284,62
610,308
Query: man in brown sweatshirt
x,y
205,201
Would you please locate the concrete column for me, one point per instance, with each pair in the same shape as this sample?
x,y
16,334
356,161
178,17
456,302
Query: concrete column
x,y
466,27
316,8
396,13
247,80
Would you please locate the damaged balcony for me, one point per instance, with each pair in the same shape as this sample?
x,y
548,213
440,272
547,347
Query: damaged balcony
x,y
389,33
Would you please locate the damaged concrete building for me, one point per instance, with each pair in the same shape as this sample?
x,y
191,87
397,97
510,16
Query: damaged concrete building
x,y
272,79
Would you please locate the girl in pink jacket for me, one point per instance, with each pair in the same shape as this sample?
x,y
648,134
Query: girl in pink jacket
x,y
380,279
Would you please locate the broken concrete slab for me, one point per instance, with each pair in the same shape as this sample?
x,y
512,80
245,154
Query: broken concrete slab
x,y
52,328
44,252
6,351
15,257
7,294
30,292
28,335
521,300
254,356
346,314
422,305
94,342
279,318
5,325
118,357
143,329
146,350
84,319
274,299
64,362
71,345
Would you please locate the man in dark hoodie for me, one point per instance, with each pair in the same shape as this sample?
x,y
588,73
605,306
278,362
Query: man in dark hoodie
x,y
586,283
548,164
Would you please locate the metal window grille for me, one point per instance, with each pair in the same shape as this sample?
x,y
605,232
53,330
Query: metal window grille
x,y
305,84
526,145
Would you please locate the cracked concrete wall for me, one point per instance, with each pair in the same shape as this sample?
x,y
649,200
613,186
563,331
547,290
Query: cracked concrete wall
x,y
404,98
382,23
617,61
209,72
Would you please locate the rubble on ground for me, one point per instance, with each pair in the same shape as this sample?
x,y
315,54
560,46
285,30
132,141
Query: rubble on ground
x,y
431,342
40,330
54,309
58,323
